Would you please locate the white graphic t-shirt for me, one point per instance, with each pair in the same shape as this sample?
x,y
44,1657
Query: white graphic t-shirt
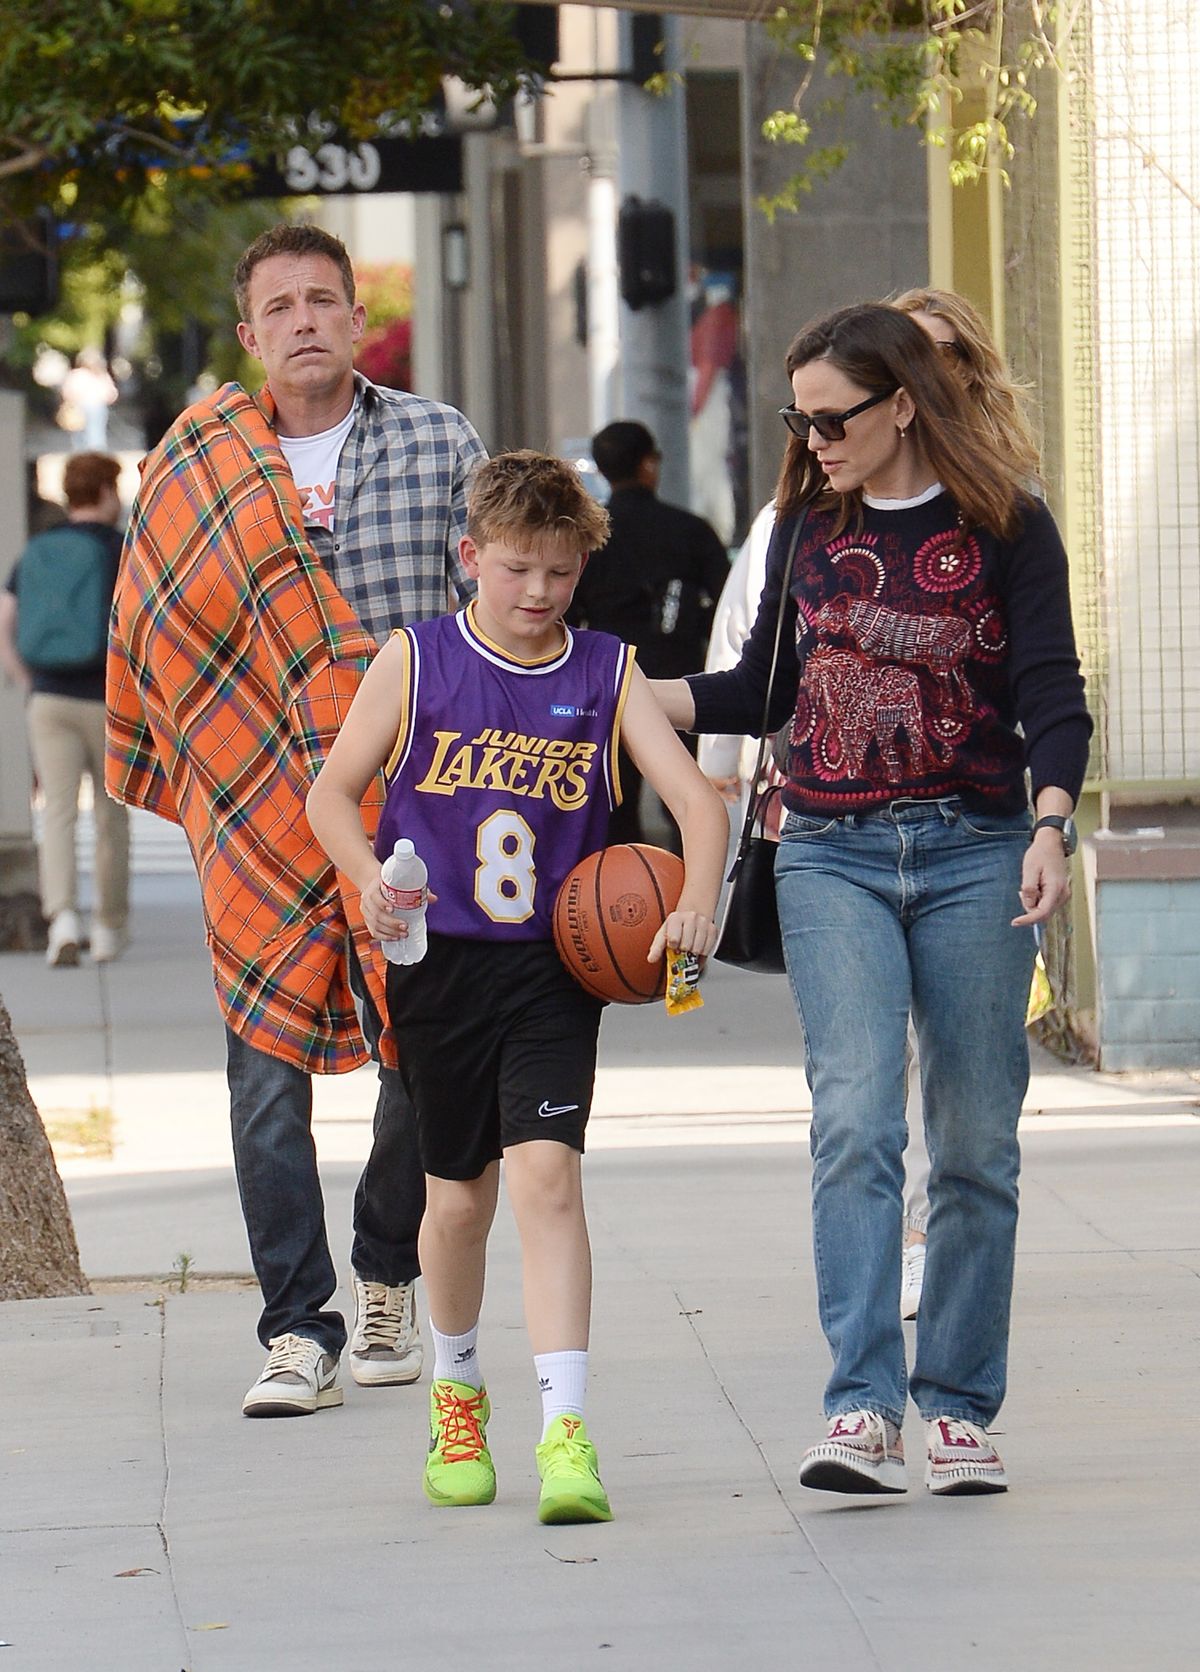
x,y
313,461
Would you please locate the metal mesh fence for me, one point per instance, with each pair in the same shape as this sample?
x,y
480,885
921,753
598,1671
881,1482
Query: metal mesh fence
x,y
1103,308
1050,316
1143,72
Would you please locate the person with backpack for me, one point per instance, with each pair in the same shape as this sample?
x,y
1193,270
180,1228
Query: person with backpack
x,y
654,585
53,640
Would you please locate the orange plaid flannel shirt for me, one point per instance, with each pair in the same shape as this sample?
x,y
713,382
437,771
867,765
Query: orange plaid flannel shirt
x,y
232,663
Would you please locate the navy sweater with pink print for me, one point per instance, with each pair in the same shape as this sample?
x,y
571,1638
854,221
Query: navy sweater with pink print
x,y
912,650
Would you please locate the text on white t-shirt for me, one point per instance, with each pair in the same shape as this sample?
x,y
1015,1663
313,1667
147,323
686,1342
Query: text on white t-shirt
x,y
313,461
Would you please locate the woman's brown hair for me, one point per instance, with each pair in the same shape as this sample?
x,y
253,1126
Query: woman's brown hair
x,y
1000,400
879,348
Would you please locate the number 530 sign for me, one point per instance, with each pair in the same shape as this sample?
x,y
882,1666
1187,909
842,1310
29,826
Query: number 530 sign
x,y
337,167
332,168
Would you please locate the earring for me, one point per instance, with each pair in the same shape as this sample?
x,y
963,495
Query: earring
x,y
902,430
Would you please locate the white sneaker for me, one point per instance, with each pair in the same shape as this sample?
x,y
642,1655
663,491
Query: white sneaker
x,y
862,1452
912,1279
298,1379
62,942
962,1459
107,943
386,1348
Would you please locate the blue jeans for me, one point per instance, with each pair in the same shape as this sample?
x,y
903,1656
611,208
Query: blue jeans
x,y
276,1165
883,913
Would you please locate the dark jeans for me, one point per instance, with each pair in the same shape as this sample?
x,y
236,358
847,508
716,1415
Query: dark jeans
x,y
282,1204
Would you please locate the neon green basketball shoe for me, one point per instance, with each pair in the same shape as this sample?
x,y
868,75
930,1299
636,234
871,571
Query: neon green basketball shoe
x,y
459,1467
571,1489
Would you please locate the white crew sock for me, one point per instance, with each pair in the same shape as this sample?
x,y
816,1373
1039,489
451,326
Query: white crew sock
x,y
456,1357
562,1379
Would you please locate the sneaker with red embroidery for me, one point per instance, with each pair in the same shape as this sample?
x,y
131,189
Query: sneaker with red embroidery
x,y
862,1452
962,1459
570,1474
459,1467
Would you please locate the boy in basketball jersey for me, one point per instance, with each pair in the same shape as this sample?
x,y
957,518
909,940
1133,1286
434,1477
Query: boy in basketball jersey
x,y
497,730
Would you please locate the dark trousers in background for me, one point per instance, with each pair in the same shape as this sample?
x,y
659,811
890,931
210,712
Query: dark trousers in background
x,y
280,1188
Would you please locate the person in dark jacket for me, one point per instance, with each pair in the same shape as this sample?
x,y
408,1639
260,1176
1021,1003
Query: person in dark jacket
x,y
655,584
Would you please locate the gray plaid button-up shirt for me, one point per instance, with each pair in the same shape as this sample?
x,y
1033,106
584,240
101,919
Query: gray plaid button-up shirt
x,y
401,509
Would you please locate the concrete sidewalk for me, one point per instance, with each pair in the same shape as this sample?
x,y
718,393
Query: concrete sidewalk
x,y
144,1525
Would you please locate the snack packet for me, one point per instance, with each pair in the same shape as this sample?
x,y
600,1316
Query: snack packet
x,y
683,982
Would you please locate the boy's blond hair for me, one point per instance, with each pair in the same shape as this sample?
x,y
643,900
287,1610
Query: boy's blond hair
x,y
525,497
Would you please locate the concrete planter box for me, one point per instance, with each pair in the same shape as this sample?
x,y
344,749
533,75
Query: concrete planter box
x,y
1144,889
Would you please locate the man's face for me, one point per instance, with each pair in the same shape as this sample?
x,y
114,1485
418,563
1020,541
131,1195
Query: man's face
x,y
301,326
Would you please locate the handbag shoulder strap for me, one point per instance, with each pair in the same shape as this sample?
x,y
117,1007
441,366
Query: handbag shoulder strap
x,y
752,809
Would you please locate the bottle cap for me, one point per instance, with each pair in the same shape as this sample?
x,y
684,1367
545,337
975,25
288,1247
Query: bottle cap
x,y
404,847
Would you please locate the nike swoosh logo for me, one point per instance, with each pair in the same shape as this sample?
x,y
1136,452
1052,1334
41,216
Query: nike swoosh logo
x,y
558,1109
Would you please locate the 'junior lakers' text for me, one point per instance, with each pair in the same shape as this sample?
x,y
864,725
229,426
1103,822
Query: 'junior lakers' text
x,y
510,761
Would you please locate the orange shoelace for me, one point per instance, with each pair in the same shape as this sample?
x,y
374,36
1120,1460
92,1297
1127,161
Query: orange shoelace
x,y
459,1421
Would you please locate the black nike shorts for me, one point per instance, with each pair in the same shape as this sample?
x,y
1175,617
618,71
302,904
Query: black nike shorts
x,y
497,1046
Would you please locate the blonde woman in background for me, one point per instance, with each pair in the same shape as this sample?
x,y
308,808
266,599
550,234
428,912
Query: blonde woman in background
x,y
728,762
958,330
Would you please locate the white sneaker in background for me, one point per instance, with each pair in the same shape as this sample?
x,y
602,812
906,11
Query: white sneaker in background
x,y
62,942
912,1279
107,943
298,1378
386,1348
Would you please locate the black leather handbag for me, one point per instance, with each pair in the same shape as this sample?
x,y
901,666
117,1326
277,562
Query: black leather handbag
x,y
750,937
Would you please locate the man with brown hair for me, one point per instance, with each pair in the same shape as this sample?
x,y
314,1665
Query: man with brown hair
x,y
53,631
275,543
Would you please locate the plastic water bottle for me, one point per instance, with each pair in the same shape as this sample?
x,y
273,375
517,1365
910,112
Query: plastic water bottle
x,y
404,881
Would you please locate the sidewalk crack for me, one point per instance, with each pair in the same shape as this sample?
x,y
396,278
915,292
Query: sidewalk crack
x,y
774,1479
106,1031
161,1523
1116,1245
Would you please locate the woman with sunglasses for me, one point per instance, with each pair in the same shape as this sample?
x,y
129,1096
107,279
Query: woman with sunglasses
x,y
962,337
927,616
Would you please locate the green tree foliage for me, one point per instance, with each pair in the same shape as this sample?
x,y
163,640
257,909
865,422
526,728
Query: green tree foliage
x,y
136,122
171,257
922,62
97,97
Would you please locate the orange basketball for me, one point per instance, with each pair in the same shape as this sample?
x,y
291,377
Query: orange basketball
x,y
609,909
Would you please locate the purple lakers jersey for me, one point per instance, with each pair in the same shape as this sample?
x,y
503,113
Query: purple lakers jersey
x,y
504,772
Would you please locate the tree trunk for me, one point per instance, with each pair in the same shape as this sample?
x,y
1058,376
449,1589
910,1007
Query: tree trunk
x,y
38,1253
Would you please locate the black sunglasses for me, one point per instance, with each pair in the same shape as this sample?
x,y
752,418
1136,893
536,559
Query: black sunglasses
x,y
830,426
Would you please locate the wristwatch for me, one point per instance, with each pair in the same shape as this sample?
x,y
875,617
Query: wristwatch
x,y
1066,826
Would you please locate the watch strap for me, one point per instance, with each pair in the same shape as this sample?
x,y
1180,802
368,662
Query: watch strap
x,y
1065,826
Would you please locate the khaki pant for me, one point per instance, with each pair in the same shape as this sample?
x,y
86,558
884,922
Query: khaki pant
x,y
66,739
